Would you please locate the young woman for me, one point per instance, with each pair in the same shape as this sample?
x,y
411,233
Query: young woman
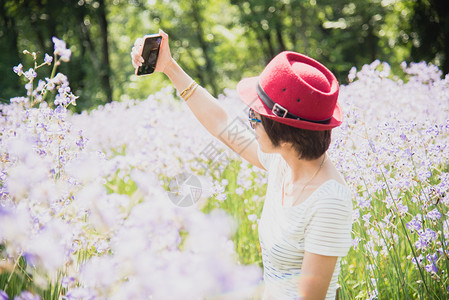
x,y
305,226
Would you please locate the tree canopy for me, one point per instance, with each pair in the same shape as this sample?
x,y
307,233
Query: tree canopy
x,y
217,42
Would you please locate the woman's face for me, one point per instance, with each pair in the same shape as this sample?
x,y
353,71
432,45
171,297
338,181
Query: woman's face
x,y
262,137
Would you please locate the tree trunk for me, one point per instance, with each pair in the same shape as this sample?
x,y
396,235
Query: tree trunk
x,y
268,40
302,30
204,46
10,83
265,36
293,32
279,37
443,16
105,65
279,28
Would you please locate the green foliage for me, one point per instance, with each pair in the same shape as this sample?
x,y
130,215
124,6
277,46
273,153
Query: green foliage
x,y
32,26
240,207
217,42
431,22
17,278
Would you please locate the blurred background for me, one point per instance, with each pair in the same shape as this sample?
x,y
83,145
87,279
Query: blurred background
x,y
217,42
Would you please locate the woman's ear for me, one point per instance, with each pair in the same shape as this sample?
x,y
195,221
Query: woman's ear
x,y
289,147
286,145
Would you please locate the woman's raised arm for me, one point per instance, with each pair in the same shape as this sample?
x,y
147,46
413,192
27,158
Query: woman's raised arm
x,y
203,105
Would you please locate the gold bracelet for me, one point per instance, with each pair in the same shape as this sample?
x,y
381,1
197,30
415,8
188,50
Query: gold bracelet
x,y
191,92
184,92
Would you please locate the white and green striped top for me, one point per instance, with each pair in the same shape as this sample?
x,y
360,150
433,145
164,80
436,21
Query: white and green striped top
x,y
321,224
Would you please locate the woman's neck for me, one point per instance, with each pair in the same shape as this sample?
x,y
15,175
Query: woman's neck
x,y
300,169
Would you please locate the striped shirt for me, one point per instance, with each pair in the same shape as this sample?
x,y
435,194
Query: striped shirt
x,y
321,224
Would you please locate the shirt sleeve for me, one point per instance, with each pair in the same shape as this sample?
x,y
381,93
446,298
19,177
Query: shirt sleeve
x,y
265,159
329,228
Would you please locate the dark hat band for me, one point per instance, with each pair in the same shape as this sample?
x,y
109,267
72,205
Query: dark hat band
x,y
280,111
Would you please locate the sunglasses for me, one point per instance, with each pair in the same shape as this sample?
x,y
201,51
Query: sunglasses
x,y
252,118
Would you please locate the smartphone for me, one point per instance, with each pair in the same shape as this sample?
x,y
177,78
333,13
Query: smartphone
x,y
150,52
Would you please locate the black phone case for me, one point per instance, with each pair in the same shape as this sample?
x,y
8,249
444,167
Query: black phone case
x,y
150,53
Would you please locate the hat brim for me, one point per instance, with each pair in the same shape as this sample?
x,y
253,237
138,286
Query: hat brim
x,y
246,89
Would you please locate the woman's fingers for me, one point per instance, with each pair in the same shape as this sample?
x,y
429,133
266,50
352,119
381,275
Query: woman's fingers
x,y
138,42
136,56
163,34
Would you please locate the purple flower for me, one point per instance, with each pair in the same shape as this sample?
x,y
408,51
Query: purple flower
x,y
81,142
252,217
413,225
61,49
64,89
434,215
355,215
19,100
40,86
18,69
431,268
364,203
221,197
432,258
402,208
65,56
239,191
79,294
48,59
66,281
60,100
387,219
29,88
366,217
59,45
60,79
421,243
27,296
352,74
355,242
371,144
50,83
429,234
30,74
418,260
3,295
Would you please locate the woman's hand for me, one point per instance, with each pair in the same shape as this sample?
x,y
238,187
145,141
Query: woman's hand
x,y
136,53
164,57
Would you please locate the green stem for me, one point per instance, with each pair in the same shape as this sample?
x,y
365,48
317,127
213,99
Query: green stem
x,y
55,66
52,75
12,271
31,91
58,175
395,258
406,234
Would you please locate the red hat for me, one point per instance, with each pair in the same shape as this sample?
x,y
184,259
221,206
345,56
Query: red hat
x,y
295,90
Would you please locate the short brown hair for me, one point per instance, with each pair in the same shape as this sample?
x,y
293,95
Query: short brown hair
x,y
309,144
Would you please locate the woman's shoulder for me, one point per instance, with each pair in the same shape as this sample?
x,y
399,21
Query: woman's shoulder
x,y
333,192
269,160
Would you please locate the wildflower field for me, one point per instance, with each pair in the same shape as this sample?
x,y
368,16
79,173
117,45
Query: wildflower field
x,y
135,199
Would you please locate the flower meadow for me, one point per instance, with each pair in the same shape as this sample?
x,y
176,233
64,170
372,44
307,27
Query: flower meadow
x,y
92,204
